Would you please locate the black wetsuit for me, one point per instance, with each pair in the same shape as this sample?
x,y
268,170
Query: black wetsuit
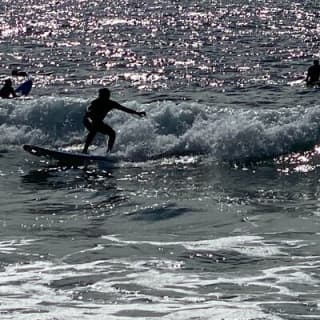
x,y
93,120
97,111
7,91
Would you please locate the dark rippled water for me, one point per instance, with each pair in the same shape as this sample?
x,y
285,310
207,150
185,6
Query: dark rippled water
x,y
209,211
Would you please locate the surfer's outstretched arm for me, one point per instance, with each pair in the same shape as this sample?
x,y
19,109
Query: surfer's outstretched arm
x,y
131,111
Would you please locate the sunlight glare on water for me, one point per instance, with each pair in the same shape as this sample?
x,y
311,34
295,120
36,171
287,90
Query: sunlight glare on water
x,y
179,44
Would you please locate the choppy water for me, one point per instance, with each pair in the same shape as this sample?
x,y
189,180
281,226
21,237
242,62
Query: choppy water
x,y
183,226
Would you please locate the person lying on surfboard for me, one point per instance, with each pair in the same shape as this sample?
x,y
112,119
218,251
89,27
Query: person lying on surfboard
x,y
313,74
96,112
19,73
7,90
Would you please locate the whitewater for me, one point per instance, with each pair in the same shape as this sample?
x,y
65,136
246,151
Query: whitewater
x,y
170,129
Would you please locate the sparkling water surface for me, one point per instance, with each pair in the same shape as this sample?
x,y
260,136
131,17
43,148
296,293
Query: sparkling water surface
x,y
212,208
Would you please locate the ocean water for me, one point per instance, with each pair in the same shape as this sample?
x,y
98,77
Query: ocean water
x,y
212,208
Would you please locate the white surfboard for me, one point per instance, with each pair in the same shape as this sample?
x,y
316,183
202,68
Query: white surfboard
x,y
75,158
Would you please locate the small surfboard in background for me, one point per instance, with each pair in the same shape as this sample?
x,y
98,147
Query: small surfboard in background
x,y
24,88
66,157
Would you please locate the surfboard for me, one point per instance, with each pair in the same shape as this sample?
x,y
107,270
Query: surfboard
x,y
67,157
25,88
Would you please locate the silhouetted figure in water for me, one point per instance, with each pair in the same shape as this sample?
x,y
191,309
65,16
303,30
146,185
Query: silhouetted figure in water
x,y
96,112
7,90
18,73
313,74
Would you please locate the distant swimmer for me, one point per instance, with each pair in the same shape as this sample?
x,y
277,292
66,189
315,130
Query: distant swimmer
x,y
313,74
7,91
96,112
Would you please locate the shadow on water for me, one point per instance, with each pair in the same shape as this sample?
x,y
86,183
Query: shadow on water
x,y
69,177
2,152
160,213
64,202
59,191
221,260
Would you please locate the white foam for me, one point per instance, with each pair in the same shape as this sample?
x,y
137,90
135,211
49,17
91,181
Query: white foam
x,y
142,287
248,245
169,129
10,246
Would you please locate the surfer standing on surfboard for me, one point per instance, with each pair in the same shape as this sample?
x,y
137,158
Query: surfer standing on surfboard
x,y
96,112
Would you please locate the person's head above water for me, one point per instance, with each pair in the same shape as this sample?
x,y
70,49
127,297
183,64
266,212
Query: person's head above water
x,y
104,93
8,82
316,62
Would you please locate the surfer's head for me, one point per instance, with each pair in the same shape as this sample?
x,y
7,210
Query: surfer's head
x,y
316,62
104,93
8,82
